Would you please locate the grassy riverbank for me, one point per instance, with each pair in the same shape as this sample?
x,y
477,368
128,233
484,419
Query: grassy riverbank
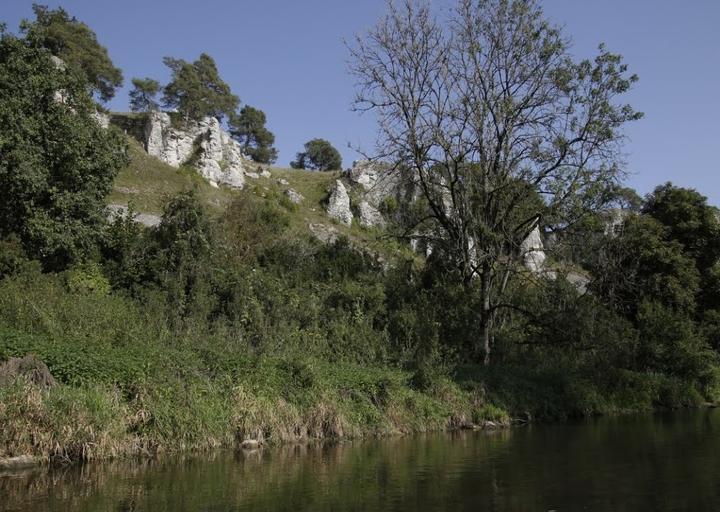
x,y
128,385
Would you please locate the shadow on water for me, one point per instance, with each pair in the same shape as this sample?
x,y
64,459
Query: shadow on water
x,y
656,462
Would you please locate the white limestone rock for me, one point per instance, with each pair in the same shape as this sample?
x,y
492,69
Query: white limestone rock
x,y
102,119
376,179
294,196
532,252
219,157
369,215
338,206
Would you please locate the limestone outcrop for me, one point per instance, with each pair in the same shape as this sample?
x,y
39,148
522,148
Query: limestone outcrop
x,y
211,150
369,215
376,180
532,252
338,206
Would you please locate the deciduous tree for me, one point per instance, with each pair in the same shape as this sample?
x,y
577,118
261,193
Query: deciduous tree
x,y
472,106
319,155
57,164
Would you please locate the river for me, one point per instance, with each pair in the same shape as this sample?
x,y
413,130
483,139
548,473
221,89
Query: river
x,y
659,462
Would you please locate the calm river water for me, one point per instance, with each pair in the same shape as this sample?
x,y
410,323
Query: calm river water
x,y
648,463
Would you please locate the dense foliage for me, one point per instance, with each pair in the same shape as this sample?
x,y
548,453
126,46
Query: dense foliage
x,y
319,155
57,164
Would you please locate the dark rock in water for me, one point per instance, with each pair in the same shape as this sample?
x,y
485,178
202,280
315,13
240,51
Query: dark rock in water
x,y
28,367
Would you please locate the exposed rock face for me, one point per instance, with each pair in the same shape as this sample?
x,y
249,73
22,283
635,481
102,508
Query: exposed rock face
x,y
532,252
339,204
102,119
369,215
219,157
376,180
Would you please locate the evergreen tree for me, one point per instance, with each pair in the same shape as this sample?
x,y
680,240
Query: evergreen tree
x,y
142,96
248,128
196,89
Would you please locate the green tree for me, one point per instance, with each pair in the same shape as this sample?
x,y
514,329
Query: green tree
x,y
57,164
77,45
142,96
248,128
690,221
319,155
196,89
644,263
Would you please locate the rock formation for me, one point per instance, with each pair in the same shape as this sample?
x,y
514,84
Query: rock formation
x,y
369,215
338,206
216,156
532,252
376,180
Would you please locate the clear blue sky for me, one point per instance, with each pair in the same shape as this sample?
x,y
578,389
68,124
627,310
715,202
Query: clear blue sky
x,y
287,58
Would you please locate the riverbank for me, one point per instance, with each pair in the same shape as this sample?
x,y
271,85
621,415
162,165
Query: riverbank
x,y
272,401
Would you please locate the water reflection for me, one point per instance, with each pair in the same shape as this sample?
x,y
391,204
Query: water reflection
x,y
661,462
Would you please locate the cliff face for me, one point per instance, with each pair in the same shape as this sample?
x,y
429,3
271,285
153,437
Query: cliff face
x,y
210,149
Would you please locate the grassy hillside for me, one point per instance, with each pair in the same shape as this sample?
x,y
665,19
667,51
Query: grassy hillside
x,y
148,183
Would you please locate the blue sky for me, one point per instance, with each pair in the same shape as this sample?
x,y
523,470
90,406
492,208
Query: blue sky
x,y
287,58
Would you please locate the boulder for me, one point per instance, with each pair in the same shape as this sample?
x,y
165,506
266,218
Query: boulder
x,y
293,196
338,206
28,367
324,233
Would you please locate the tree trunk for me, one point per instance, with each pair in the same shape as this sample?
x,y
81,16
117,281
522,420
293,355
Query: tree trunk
x,y
485,314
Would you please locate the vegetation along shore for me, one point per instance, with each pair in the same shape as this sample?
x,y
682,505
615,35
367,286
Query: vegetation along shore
x,y
165,286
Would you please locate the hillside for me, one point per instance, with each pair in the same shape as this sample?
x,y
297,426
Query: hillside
x,y
148,183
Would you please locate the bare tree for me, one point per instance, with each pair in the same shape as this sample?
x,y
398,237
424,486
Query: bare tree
x,y
482,112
